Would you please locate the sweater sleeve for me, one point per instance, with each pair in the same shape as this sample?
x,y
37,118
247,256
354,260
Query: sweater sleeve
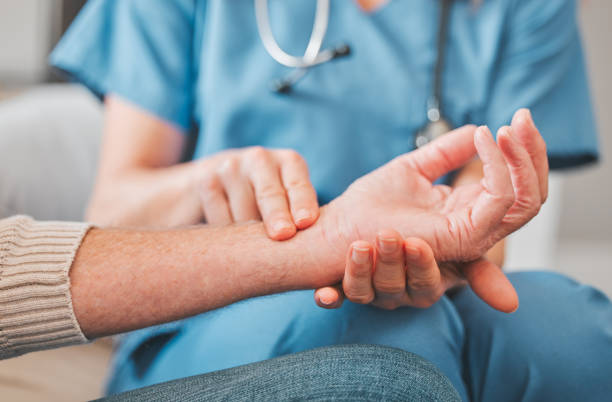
x,y
35,304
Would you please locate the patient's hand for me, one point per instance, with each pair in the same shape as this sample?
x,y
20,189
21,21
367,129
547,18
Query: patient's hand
x,y
459,224
392,273
396,272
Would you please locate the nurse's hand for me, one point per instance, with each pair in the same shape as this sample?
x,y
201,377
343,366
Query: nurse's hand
x,y
459,224
255,183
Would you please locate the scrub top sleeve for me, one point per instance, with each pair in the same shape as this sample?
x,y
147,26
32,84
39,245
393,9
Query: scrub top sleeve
x,y
140,50
542,68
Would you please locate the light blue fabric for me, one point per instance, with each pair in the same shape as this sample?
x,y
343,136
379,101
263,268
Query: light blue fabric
x,y
197,62
556,347
202,62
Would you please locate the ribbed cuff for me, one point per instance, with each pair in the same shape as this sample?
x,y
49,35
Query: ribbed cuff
x,y
35,303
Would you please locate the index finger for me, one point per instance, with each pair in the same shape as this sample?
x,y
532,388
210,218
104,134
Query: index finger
x,y
300,191
270,195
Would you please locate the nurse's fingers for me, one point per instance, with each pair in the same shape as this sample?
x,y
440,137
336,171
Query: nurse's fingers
x,y
529,136
498,195
239,191
357,282
270,194
302,195
389,273
446,153
329,297
423,274
527,195
214,202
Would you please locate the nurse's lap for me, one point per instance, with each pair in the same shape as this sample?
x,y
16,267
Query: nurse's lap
x,y
557,345
271,326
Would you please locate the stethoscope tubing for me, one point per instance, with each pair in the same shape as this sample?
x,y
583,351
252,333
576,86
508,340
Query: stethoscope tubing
x,y
313,54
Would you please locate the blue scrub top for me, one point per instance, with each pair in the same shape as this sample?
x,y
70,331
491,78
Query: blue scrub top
x,y
201,63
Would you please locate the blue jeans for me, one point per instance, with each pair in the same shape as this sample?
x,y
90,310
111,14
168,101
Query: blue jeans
x,y
557,346
335,373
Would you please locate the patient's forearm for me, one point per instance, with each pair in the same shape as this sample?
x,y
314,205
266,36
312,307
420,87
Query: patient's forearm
x,y
124,280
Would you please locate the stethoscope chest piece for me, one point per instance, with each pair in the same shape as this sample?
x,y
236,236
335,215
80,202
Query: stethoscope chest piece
x,y
431,131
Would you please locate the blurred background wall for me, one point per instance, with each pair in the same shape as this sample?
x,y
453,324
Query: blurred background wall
x,y
28,30
587,197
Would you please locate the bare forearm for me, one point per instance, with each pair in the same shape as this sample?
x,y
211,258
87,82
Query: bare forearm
x,y
136,197
140,180
124,280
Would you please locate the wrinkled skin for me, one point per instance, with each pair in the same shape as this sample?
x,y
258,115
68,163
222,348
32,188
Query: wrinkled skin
x,y
458,224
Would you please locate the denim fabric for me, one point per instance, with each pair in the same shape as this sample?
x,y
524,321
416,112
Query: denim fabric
x,y
557,346
339,373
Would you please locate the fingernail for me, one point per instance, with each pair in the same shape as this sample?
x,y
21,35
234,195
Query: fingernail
x,y
412,252
483,132
360,256
302,215
527,118
281,225
387,246
326,300
505,131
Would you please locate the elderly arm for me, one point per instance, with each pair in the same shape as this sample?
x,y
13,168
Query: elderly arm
x,y
123,279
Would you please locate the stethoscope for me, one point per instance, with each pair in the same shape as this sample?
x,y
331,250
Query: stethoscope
x,y
436,124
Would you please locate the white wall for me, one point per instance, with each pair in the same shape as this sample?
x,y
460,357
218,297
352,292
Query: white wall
x,y
27,29
587,194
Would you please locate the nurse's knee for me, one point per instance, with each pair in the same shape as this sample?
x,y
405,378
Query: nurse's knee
x,y
559,323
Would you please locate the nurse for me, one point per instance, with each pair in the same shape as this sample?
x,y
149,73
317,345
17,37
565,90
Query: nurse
x,y
182,72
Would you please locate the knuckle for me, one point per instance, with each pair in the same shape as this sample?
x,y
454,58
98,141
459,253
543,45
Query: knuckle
x,y
299,184
359,298
507,199
421,284
362,271
210,183
257,154
389,286
270,191
229,167
292,156
529,205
